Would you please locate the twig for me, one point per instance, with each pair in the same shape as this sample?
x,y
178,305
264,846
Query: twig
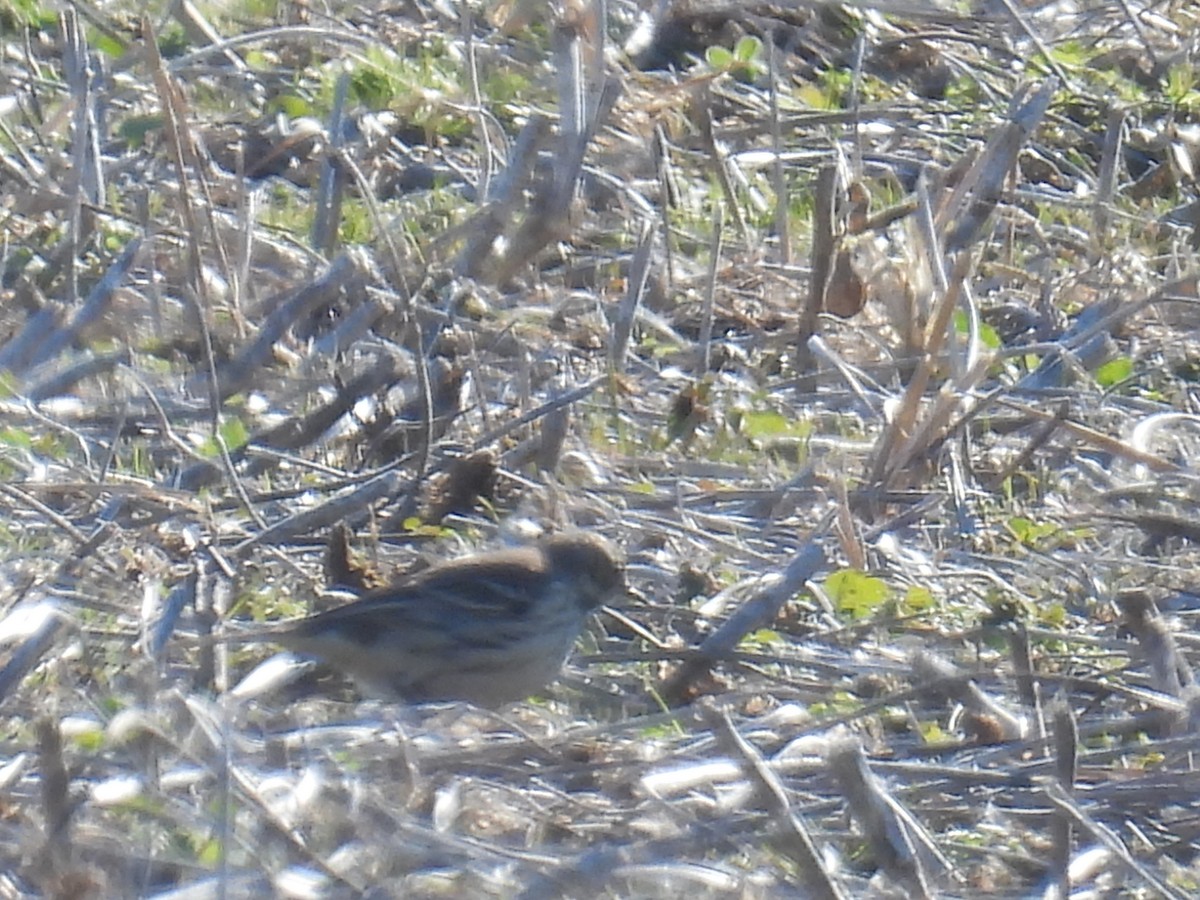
x,y
798,844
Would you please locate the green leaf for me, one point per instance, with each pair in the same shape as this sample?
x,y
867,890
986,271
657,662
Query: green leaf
x,y
761,638
91,741
1030,533
747,49
1181,79
918,599
856,593
235,434
108,45
764,424
15,437
769,423
32,13
208,851
413,525
933,733
505,87
988,335
1053,615
292,106
372,87
719,58
1114,371
813,96
1071,54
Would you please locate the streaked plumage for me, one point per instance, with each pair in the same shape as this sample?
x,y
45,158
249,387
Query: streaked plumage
x,y
487,629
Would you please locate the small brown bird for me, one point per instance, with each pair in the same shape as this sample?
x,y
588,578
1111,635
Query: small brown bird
x,y
488,629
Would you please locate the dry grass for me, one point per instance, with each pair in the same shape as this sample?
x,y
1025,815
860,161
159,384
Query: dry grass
x,y
912,513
